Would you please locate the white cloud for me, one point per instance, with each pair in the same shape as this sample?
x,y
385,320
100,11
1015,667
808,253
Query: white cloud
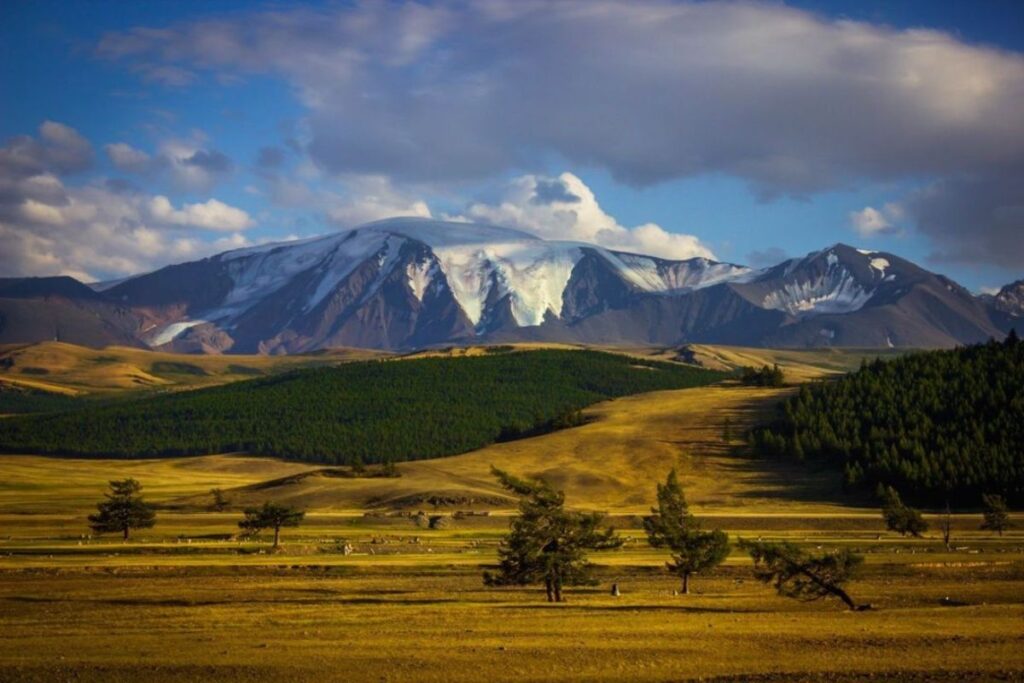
x,y
210,215
564,208
96,230
370,198
789,100
869,221
127,158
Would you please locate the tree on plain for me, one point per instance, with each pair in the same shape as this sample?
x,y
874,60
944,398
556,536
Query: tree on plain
x,y
547,543
271,516
996,514
947,527
220,500
672,526
901,518
796,574
123,510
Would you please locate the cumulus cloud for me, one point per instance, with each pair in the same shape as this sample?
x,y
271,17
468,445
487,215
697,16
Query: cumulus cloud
x,y
790,101
652,90
370,198
565,208
58,149
210,215
188,164
870,222
127,158
99,229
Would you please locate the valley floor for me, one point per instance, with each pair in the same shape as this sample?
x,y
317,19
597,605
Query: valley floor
x,y
438,623
361,593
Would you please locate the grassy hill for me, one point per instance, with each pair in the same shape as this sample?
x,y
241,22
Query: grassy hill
x,y
374,411
56,367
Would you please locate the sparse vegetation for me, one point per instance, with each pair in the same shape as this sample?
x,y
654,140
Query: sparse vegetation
x,y
271,516
220,500
794,573
548,544
899,517
123,510
996,514
672,526
765,376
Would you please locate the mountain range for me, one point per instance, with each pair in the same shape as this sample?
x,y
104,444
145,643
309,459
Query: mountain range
x,y
408,283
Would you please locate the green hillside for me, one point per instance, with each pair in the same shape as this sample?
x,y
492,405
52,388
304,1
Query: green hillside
x,y
374,411
938,426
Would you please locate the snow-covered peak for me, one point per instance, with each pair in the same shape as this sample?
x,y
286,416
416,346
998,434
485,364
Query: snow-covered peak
x,y
822,282
435,233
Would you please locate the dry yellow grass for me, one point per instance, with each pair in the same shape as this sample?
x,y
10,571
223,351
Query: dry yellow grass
x,y
67,368
412,625
611,464
185,601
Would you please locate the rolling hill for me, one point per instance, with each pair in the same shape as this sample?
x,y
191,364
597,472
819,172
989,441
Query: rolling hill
x,y
374,411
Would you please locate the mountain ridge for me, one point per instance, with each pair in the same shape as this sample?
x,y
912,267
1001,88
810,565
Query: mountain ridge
x,y
407,283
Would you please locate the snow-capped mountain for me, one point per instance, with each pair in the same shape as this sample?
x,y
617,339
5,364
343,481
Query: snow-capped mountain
x,y
1009,300
407,283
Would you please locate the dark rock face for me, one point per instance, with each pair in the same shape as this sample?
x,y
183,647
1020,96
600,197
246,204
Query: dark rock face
x,y
1010,299
404,284
62,309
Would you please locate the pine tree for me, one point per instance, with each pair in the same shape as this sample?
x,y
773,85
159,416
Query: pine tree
x,y
904,520
795,574
546,543
123,510
672,526
996,514
220,501
271,516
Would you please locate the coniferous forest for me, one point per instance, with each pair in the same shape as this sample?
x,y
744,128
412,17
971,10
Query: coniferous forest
x,y
374,411
937,426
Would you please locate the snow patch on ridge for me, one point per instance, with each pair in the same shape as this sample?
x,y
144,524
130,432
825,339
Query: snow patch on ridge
x,y
171,332
880,264
653,275
420,275
834,291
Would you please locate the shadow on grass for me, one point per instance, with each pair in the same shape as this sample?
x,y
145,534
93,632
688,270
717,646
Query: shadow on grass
x,y
178,602
682,609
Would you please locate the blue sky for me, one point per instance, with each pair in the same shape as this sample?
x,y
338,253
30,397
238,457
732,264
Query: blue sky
x,y
748,131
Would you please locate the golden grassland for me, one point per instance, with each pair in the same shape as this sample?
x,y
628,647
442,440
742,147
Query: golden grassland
x,y
189,601
69,369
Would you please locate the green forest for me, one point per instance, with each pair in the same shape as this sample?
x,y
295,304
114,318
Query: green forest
x,y
937,426
375,411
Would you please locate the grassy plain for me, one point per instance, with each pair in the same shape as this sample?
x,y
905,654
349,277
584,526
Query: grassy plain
x,y
187,601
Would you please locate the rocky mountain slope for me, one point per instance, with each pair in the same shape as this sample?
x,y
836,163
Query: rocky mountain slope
x,y
410,283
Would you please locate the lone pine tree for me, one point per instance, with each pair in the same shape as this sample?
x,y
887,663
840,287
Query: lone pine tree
x,y
547,543
271,516
123,510
795,574
996,514
901,518
672,526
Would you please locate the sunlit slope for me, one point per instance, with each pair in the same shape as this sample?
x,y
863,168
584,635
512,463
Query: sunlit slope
x,y
67,368
610,463
800,364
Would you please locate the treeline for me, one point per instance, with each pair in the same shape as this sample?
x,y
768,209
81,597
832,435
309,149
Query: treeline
x,y
373,411
16,400
941,426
